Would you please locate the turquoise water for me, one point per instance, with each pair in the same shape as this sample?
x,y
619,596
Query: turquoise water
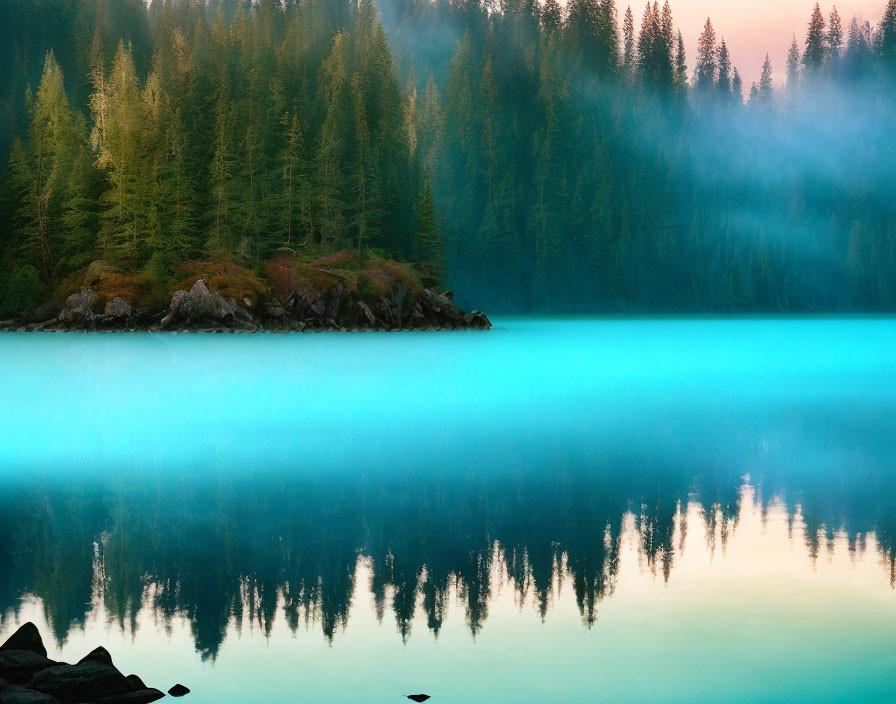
x,y
557,509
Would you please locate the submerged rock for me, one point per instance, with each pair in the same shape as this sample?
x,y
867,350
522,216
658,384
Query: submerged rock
x,y
27,637
178,690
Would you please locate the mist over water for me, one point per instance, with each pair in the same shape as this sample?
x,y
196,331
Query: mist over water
x,y
584,489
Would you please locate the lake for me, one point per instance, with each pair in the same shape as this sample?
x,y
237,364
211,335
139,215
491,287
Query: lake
x,y
580,510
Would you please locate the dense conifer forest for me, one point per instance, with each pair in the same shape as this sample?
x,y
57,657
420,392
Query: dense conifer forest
x,y
533,157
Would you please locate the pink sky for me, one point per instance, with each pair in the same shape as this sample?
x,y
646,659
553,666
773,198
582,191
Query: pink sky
x,y
753,27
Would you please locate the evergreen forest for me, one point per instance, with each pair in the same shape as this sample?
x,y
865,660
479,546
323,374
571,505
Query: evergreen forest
x,y
532,157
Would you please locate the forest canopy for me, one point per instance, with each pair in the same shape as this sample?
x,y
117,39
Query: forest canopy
x,y
532,156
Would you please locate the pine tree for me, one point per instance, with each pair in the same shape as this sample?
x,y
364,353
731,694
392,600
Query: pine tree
x,y
887,34
793,66
765,81
705,71
835,36
628,41
724,80
681,66
816,42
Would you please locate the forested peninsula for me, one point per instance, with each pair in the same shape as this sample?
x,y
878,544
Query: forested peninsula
x,y
343,163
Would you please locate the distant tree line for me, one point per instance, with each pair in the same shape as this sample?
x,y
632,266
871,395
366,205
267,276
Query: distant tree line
x,y
538,157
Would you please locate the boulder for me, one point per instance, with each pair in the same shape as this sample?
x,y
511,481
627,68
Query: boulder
x,y
136,682
17,694
306,303
118,308
241,313
138,696
332,301
99,654
78,304
418,697
18,666
200,303
273,309
477,321
46,311
178,690
442,306
368,314
27,637
85,681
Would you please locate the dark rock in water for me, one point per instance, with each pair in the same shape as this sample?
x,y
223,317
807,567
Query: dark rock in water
x,y
118,308
136,682
47,311
18,666
178,690
17,694
85,681
3,684
98,655
27,637
138,696
477,321
418,697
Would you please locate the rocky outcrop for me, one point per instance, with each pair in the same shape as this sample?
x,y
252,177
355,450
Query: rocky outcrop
x,y
29,677
118,309
338,292
197,306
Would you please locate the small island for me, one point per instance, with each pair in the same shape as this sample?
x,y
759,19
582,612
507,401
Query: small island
x,y
287,292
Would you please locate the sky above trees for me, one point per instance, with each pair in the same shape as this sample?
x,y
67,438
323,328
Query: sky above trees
x,y
752,29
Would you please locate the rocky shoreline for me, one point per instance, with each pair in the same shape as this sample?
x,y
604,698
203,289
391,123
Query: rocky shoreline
x,y
303,309
28,676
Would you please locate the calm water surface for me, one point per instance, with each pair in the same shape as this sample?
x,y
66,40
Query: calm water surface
x,y
576,510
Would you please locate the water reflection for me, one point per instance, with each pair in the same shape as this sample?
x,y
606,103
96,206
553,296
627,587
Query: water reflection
x,y
253,550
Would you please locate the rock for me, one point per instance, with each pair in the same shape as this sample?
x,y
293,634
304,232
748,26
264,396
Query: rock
x,y
3,684
200,303
85,681
365,309
79,303
98,655
18,666
241,313
136,682
27,637
444,308
306,303
332,300
477,321
273,309
418,697
17,694
46,311
118,308
138,696
178,690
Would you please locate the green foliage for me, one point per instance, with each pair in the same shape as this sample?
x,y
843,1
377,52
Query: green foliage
x,y
537,156
22,290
